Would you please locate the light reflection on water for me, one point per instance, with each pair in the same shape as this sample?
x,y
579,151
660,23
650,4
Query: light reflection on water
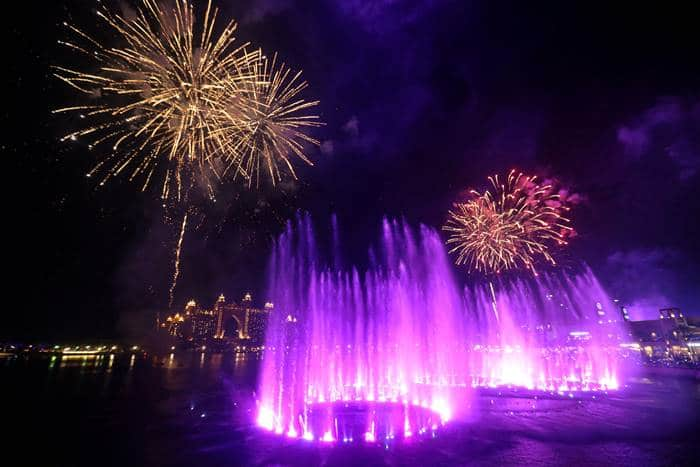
x,y
190,408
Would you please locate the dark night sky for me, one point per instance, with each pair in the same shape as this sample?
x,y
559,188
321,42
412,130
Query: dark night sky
x,y
422,99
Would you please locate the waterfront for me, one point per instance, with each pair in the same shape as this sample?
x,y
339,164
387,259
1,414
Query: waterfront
x,y
198,408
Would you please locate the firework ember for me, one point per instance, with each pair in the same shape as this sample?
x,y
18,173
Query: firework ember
x,y
513,225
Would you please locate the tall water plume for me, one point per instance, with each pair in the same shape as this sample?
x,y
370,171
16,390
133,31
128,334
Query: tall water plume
x,y
397,346
391,333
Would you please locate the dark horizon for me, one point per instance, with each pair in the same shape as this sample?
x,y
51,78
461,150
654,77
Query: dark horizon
x,y
422,100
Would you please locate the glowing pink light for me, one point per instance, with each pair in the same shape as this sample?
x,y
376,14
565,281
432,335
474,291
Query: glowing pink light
x,y
347,361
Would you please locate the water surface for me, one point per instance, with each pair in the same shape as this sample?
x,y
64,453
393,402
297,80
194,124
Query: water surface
x,y
198,409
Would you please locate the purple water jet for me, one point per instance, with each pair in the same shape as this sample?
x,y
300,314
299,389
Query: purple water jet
x,y
397,350
556,332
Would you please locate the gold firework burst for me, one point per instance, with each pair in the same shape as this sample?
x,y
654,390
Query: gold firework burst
x,y
511,226
270,134
176,102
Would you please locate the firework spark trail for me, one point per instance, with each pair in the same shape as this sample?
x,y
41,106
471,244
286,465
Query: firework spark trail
x,y
176,269
511,226
494,302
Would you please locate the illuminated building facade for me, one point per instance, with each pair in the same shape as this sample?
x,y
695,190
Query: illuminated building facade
x,y
250,321
670,338
193,324
174,325
203,324
198,324
673,314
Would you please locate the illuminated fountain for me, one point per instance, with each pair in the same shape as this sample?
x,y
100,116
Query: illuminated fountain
x,y
395,351
554,332
383,345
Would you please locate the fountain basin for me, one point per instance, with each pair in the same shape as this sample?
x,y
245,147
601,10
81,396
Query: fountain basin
x,y
362,421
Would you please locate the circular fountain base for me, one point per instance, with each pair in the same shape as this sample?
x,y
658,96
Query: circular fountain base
x,y
370,422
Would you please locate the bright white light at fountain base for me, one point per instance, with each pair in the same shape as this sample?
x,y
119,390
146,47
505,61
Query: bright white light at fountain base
x,y
268,420
441,407
571,385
